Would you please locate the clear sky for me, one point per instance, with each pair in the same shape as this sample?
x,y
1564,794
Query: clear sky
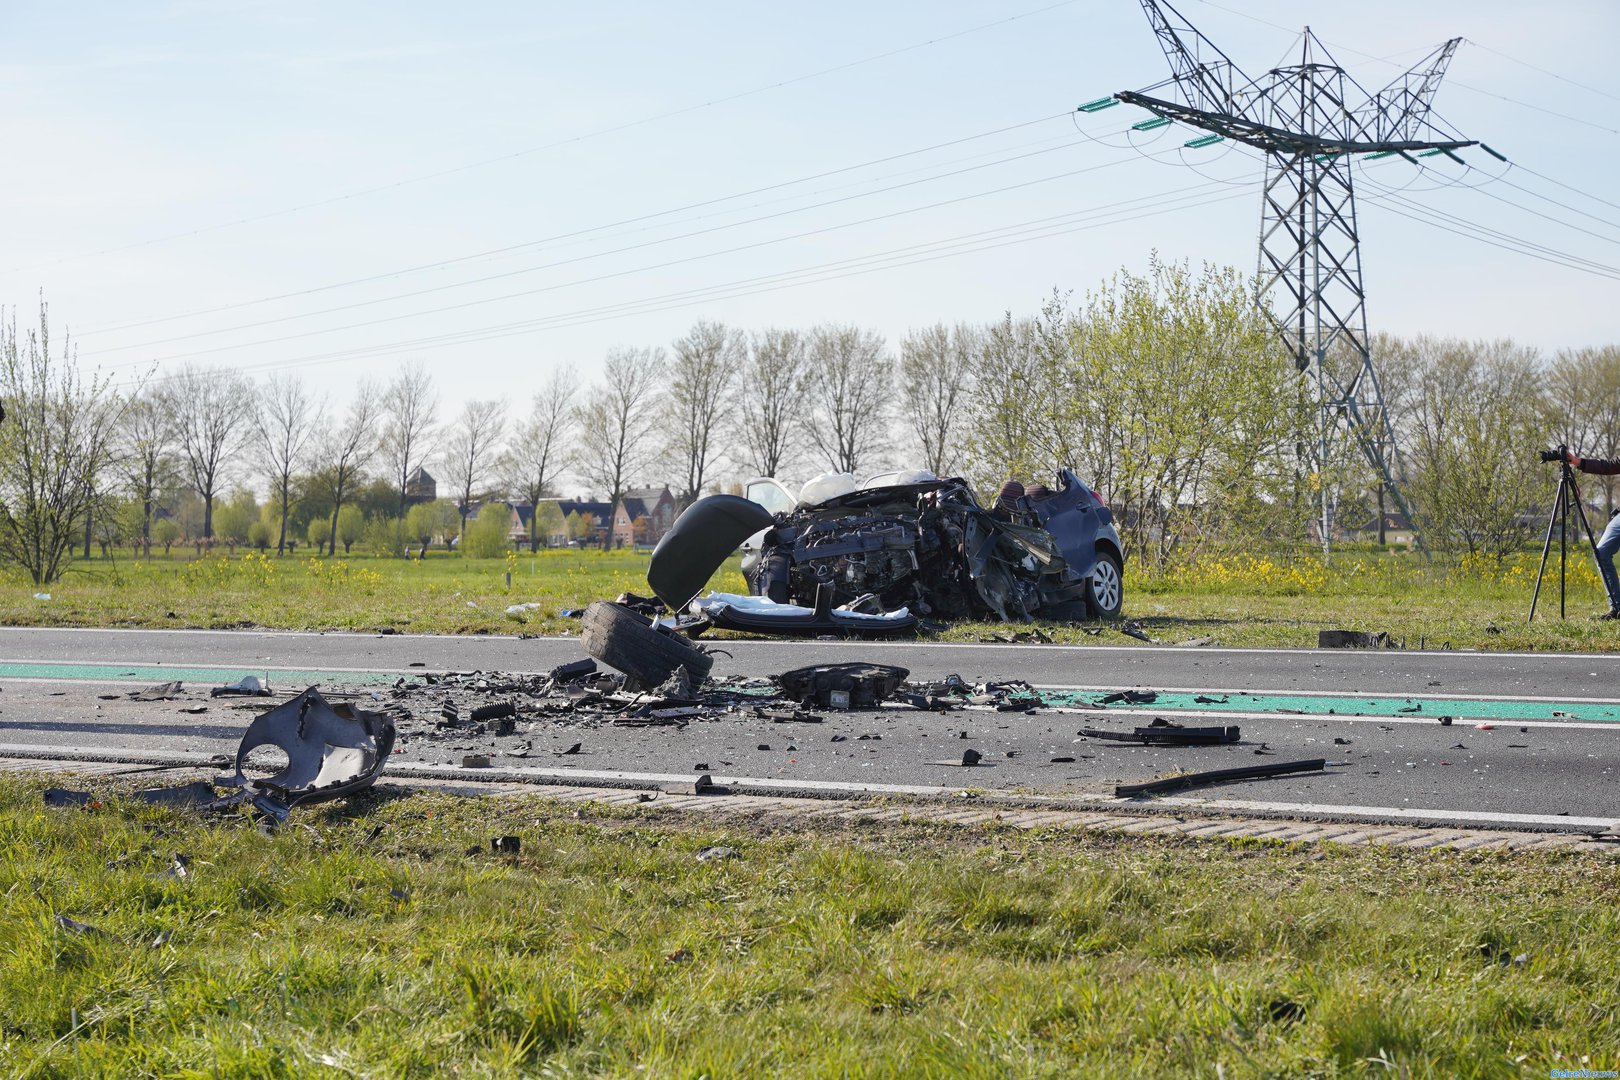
x,y
165,159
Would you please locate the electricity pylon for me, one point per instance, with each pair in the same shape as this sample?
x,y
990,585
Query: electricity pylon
x,y
1304,120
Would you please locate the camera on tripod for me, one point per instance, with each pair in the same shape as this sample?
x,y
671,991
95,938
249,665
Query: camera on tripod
x,y
1566,501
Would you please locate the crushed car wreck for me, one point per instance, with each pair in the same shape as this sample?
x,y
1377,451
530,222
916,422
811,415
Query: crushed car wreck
x,y
871,560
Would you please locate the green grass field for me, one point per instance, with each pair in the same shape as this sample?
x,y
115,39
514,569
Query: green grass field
x,y
381,938
1244,601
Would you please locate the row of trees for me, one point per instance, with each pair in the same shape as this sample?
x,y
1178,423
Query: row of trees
x,y
1167,390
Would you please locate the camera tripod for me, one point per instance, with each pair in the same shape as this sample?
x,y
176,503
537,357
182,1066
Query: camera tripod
x,y
1568,491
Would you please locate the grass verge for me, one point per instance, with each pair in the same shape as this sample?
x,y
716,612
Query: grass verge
x,y
382,938
1244,601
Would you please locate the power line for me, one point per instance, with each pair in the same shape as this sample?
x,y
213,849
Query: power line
x,y
602,277
510,248
1544,71
1395,203
1165,202
598,133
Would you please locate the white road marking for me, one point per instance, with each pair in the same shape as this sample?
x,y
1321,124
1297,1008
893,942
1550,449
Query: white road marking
x,y
1468,654
761,784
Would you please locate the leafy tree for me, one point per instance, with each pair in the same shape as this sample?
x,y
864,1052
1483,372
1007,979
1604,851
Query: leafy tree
x,y
547,521
385,535
234,518
351,526
165,531
319,531
55,441
428,521
487,536
1478,418
259,535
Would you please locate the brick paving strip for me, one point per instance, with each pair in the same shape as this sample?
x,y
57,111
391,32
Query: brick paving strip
x,y
968,811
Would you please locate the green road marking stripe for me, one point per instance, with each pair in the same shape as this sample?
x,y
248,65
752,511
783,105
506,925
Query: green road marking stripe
x,y
1432,708
212,676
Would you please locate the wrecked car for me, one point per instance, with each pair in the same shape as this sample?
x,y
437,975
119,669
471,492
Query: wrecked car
x,y
914,542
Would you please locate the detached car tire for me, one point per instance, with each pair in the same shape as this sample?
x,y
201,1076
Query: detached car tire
x,y
1105,587
622,639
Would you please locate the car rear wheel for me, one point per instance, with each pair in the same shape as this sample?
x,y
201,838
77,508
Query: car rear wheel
x,y
1105,588
622,639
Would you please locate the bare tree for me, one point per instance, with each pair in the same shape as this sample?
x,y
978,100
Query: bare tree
x,y
55,440
849,390
146,445
539,451
704,368
936,366
211,411
770,399
616,439
472,450
340,456
288,420
411,406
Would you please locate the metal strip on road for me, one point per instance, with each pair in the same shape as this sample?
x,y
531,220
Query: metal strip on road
x,y
927,795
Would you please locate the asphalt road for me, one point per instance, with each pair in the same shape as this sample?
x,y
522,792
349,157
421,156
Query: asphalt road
x,y
1531,739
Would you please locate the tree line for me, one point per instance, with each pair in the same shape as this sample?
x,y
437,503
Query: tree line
x,y
1167,390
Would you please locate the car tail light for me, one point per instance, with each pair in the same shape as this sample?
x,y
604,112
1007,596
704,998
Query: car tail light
x,y
1099,497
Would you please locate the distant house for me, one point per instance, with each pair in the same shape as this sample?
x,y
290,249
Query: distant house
x,y
420,487
653,508
1396,529
571,512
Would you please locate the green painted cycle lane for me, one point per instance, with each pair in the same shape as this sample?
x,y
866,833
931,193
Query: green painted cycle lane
x,y
1282,704
1373,705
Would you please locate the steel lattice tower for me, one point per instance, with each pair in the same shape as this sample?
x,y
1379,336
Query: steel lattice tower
x,y
1311,120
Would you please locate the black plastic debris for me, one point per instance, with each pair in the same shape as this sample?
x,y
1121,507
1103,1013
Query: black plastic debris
x,y
1130,697
1169,735
197,795
493,712
787,715
1352,639
74,926
161,692
841,686
574,672
1219,776
332,751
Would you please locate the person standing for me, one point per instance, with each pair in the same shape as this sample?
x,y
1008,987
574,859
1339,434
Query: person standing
x,y
1609,543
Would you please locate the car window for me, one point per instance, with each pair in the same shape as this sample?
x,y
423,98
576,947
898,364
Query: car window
x,y
771,495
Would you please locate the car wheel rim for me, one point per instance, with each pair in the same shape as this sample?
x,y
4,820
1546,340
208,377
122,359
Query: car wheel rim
x,y
1105,584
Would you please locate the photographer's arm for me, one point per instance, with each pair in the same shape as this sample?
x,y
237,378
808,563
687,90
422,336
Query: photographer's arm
x,y
1597,466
